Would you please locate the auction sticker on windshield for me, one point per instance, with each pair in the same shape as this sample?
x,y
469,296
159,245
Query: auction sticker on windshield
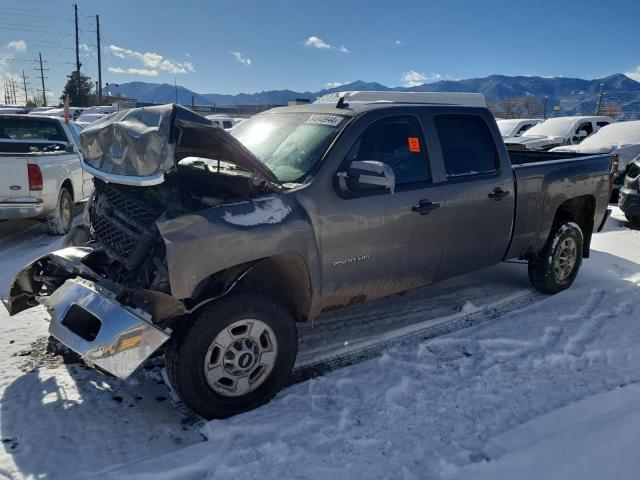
x,y
328,120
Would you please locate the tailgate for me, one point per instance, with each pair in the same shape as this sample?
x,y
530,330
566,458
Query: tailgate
x,y
14,180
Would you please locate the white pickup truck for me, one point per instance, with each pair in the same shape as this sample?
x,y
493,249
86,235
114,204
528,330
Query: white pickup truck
x,y
40,170
557,131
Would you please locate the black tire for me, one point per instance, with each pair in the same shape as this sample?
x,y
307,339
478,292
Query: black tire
x,y
634,220
60,220
190,344
545,273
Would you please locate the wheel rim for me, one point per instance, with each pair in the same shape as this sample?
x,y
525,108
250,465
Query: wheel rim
x,y
240,358
566,257
65,211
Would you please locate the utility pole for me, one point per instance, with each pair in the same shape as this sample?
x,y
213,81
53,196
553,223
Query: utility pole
x,y
24,83
42,77
75,9
545,107
599,98
13,88
99,60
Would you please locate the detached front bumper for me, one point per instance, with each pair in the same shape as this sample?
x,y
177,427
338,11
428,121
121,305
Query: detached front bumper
x,y
88,320
86,316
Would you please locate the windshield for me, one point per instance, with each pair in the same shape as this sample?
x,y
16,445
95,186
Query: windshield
x,y
507,126
552,127
615,134
290,144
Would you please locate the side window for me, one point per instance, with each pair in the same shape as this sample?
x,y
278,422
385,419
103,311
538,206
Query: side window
x,y
227,124
467,144
602,124
523,129
586,127
398,142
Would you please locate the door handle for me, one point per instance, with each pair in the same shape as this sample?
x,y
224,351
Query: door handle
x,y
425,206
498,194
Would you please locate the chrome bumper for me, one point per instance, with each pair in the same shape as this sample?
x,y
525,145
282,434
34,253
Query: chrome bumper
x,y
86,318
21,209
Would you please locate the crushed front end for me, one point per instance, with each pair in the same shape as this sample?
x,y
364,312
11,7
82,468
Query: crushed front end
x,y
109,299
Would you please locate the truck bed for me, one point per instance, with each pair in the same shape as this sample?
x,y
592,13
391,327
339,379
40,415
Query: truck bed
x,y
522,157
546,180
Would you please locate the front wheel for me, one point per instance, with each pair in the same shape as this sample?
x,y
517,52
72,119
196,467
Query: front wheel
x,y
235,355
556,266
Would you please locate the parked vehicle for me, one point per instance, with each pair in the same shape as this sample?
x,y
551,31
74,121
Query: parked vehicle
x,y
557,131
629,198
88,118
74,112
40,110
621,139
40,171
6,110
297,211
515,127
221,121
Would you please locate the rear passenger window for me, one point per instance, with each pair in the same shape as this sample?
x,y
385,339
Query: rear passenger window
x,y
467,144
398,142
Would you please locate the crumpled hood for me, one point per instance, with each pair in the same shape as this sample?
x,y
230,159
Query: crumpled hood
x,y
144,143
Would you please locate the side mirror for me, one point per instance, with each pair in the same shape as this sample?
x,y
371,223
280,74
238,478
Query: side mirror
x,y
69,148
365,176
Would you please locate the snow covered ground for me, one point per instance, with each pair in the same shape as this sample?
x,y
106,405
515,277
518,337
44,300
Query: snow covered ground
x,y
549,391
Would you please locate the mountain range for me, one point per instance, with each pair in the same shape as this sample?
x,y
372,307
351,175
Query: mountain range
x,y
571,95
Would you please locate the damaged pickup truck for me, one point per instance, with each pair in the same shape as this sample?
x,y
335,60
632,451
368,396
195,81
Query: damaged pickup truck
x,y
213,244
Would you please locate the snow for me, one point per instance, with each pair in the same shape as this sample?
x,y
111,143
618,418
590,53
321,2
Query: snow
x,y
547,391
264,210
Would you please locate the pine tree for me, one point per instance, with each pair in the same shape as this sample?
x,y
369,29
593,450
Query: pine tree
x,y
79,88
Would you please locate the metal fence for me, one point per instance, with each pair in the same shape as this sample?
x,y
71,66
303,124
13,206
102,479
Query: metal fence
x,y
619,105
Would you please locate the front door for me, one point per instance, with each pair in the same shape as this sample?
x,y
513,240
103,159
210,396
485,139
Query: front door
x,y
378,243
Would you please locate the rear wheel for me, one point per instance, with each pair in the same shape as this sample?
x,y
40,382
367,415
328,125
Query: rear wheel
x,y
556,266
235,355
60,220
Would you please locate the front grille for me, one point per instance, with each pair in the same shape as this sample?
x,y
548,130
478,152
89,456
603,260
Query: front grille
x,y
123,226
125,206
634,170
113,238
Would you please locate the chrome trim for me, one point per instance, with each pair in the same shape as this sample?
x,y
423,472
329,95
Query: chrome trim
x,y
125,339
132,180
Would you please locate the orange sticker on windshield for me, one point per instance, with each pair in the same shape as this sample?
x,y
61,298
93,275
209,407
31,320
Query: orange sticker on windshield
x,y
414,144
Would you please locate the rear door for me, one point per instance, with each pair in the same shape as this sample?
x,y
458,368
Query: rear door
x,y
478,192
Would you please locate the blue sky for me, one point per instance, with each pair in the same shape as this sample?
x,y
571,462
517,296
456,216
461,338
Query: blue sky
x,y
246,46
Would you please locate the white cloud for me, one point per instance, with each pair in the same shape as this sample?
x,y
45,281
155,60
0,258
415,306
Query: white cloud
x,y
413,78
17,45
134,71
317,42
399,42
634,75
154,61
84,47
333,84
241,58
